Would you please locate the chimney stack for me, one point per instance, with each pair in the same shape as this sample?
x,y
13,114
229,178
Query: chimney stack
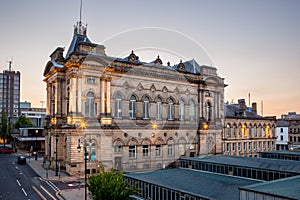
x,y
254,108
242,107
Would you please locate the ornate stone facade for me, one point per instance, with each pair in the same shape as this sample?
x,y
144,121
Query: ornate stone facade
x,y
246,133
128,114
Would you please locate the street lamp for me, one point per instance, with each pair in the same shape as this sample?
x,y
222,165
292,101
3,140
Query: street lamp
x,y
36,133
56,166
85,164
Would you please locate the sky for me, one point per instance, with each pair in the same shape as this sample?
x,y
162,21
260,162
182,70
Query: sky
x,y
254,45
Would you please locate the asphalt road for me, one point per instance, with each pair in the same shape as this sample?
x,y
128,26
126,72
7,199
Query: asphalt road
x,y
21,182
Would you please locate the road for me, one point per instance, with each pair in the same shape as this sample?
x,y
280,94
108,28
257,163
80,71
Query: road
x,y
21,182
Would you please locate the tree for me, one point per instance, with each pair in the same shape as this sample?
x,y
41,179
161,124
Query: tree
x,y
22,122
109,185
4,126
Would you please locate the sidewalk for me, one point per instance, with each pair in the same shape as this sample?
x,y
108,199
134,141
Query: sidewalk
x,y
67,194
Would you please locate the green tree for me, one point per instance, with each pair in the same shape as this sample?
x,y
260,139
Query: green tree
x,y
4,126
109,185
23,122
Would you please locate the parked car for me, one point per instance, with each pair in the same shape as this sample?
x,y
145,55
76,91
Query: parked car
x,y
4,149
21,160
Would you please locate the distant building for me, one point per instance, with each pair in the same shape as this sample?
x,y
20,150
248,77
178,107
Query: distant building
x,y
31,137
245,132
10,92
282,135
291,117
294,137
36,115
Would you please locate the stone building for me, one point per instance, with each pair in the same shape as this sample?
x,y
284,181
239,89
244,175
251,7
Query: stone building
x,y
245,132
125,113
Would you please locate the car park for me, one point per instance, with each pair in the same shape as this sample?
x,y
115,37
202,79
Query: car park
x,y
21,160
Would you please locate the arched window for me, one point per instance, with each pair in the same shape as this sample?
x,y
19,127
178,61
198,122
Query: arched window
x,y
68,101
90,105
192,111
91,148
53,100
171,109
181,110
208,111
118,106
146,108
158,108
228,130
132,107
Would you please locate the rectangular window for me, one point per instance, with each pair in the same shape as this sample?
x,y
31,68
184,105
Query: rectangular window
x,y
228,147
245,146
145,150
233,146
281,137
91,79
170,149
250,146
254,145
239,146
118,149
158,150
132,151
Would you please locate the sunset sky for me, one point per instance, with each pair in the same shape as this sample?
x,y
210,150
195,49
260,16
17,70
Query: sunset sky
x,y
255,44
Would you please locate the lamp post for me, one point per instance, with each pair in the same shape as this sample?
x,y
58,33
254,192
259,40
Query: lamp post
x,y
36,133
56,166
85,164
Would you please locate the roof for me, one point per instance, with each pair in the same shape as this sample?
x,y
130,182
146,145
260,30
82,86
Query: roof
x,y
77,38
282,123
286,187
282,152
191,66
252,162
233,110
198,183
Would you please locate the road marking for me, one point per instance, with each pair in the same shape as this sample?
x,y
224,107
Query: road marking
x,y
48,192
39,193
24,192
18,182
53,186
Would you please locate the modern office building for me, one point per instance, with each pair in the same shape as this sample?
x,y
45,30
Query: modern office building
x,y
10,92
245,132
126,113
35,114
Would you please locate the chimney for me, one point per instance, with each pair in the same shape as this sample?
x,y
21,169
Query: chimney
x,y
242,107
254,108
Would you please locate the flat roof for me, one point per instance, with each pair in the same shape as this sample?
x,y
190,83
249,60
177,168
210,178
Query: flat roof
x,y
251,162
284,152
286,187
195,182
